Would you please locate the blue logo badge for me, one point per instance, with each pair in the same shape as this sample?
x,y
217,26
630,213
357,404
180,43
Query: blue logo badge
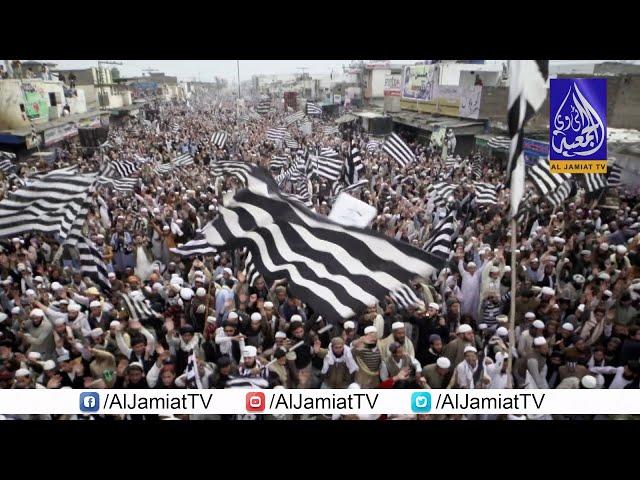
x,y
421,402
578,119
89,401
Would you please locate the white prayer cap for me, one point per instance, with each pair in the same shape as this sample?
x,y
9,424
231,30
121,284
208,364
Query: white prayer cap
x,y
38,279
22,372
21,267
211,319
465,328
201,292
578,278
165,228
621,249
604,246
157,286
56,286
281,335
296,318
268,305
581,307
249,351
529,315
3,317
143,210
232,316
30,293
100,236
16,240
502,318
585,252
349,325
111,275
538,341
114,324
568,327
370,329
74,307
443,362
7,281
538,324
256,317
547,291
507,269
558,240
471,265
228,270
96,332
95,304
604,276
354,386
211,208
607,293
36,312
15,310
156,210
469,348
179,221
49,365
175,279
34,356
186,293
589,381
434,305
494,269
397,326
502,332
59,321
483,326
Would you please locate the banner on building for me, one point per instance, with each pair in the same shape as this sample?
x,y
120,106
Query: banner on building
x,y
418,82
36,105
470,101
392,85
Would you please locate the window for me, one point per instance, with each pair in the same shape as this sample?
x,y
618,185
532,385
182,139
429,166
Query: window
x,y
52,99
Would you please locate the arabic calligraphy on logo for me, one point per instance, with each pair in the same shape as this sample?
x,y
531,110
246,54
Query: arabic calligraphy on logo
x,y
578,130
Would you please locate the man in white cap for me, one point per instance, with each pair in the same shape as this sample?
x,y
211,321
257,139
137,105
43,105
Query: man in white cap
x,y
339,367
38,334
368,358
532,369
471,277
438,375
619,259
349,332
250,366
470,372
525,343
398,335
454,350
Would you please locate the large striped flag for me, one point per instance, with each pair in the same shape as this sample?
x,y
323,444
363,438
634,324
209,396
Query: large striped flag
x,y
527,92
328,164
339,271
398,150
439,242
614,175
440,192
6,161
545,181
594,182
48,203
485,193
91,261
184,160
124,168
219,139
263,107
291,119
276,134
313,109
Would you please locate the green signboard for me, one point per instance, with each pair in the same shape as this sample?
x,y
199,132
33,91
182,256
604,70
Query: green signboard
x,y
36,105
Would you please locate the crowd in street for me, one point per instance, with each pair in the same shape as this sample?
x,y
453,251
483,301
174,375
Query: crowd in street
x,y
577,294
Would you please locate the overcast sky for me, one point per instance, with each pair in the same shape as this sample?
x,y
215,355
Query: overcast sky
x,y
205,70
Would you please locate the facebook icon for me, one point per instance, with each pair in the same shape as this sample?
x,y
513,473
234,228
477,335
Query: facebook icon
x,y
89,402
421,402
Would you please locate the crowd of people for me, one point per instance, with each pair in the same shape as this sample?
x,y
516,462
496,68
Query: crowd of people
x,y
577,292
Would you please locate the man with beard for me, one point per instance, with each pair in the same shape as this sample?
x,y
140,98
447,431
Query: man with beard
x,y
434,351
97,317
37,334
625,377
454,350
368,358
398,335
428,323
470,373
398,360
250,366
532,369
338,367
438,375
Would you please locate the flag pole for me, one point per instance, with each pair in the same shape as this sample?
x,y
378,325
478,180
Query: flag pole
x,y
512,311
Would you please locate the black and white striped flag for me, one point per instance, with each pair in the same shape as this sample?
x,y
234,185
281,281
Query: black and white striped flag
x,y
276,134
48,203
329,164
339,271
354,166
440,192
184,160
196,247
264,107
124,168
290,142
193,376
544,180
175,128
527,92
373,146
6,161
614,176
340,187
594,182
91,261
398,150
250,271
119,185
476,169
219,139
499,143
137,307
313,109
293,118
163,169
485,193
439,242
277,163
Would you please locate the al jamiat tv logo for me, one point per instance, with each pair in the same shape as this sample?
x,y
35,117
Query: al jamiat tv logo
x,y
578,125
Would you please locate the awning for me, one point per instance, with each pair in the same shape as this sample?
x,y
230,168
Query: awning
x,y
346,118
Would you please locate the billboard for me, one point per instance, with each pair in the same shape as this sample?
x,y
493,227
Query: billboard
x,y
418,82
36,103
392,85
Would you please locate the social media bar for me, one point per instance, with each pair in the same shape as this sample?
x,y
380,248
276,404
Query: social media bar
x,y
349,401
